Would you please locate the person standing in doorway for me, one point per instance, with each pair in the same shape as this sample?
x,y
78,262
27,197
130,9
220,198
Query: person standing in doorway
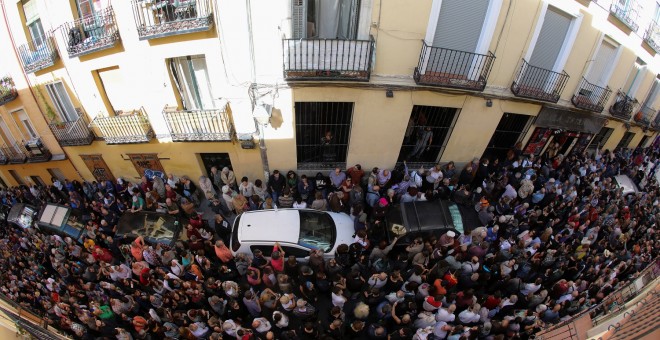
x,y
423,143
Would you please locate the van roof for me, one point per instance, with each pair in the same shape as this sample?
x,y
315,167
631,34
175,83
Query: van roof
x,y
282,225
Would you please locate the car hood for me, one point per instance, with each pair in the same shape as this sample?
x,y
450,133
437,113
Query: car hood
x,y
345,232
623,181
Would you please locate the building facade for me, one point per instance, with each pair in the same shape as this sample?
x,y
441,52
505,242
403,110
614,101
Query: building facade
x,y
257,85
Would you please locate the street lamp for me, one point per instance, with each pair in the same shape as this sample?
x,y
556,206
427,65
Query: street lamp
x,y
261,114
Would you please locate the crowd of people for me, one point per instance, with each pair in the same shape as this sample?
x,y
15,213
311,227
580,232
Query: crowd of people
x,y
555,236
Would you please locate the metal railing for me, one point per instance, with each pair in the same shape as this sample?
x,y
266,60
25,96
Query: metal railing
x,y
199,125
623,106
3,157
538,83
451,68
36,151
627,13
73,133
7,90
645,115
26,319
652,36
161,18
125,127
90,34
590,96
14,153
327,59
37,56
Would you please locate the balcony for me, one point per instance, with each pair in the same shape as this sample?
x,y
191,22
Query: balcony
x,y
36,151
73,133
645,115
591,97
538,83
623,106
627,13
454,69
7,90
199,125
36,56
91,34
652,36
125,127
327,59
162,18
14,154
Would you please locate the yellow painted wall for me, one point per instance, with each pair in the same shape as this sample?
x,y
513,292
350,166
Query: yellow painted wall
x,y
37,169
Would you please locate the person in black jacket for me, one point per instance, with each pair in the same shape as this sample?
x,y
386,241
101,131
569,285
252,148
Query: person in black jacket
x,y
276,183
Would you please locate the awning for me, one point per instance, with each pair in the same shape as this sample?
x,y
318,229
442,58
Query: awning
x,y
569,120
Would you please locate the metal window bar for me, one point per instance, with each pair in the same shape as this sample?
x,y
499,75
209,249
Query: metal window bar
x,y
538,83
444,67
313,121
7,90
652,36
199,125
590,96
90,34
507,133
73,133
161,18
35,57
623,106
625,140
125,127
627,13
327,59
441,120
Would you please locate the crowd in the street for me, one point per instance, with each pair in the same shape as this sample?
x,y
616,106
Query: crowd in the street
x,y
555,237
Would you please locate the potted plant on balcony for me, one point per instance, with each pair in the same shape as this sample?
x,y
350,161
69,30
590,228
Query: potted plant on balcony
x,y
50,113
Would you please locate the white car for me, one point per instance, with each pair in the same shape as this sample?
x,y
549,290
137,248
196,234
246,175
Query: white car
x,y
629,187
297,230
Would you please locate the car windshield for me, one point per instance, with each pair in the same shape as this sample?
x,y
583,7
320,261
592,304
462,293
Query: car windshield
x,y
456,217
317,230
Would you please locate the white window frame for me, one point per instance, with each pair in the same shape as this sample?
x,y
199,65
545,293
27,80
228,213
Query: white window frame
x,y
570,8
363,21
610,71
29,128
487,30
59,107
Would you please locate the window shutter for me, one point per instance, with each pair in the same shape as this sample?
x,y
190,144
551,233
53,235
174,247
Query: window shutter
x,y
31,11
202,82
653,94
298,18
603,61
459,24
551,38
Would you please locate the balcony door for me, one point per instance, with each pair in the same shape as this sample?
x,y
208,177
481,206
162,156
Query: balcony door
x,y
635,78
24,125
7,136
192,80
33,23
60,98
325,19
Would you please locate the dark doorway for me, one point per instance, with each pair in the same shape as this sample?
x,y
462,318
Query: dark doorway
x,y
642,142
509,131
37,180
2,183
16,177
219,160
627,137
601,138
428,131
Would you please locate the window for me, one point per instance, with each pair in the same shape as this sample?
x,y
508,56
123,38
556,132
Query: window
x,y
88,8
114,87
265,250
297,252
635,78
192,80
427,133
7,136
322,133
24,125
33,22
16,177
551,39
653,94
601,138
60,97
459,24
507,133
327,19
317,230
627,137
642,142
603,64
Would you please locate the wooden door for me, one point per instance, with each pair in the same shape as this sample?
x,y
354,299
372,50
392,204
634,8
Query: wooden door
x,y
98,168
147,161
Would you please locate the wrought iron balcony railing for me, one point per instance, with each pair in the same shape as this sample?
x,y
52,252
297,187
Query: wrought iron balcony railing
x,y
199,125
125,127
538,83
14,153
645,115
591,97
3,157
652,36
623,106
91,34
7,90
451,68
327,59
36,151
627,13
38,55
161,18
73,133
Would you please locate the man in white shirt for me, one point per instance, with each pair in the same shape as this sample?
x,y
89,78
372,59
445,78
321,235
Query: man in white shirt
x,y
531,287
470,315
446,315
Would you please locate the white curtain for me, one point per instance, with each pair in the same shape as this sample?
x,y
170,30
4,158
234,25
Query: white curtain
x,y
193,82
329,18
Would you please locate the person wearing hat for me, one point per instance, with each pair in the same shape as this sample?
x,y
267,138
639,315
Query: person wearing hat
x,y
447,239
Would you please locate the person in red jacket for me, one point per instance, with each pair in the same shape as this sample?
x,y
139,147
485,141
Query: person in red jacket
x,y
102,254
